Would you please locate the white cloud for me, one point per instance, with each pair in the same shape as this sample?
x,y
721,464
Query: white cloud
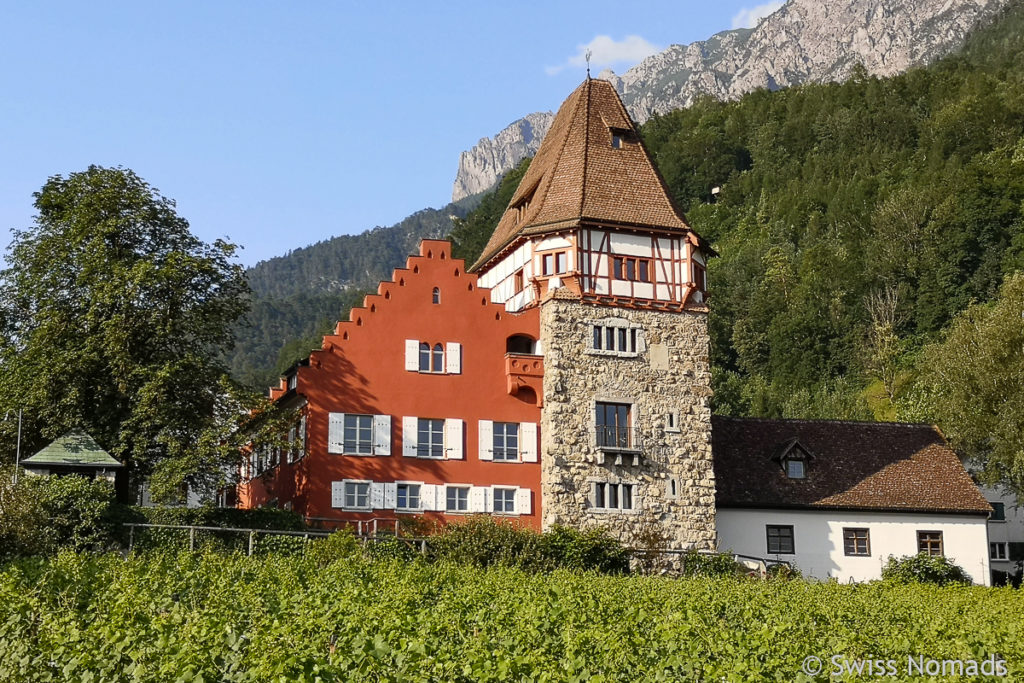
x,y
749,17
606,51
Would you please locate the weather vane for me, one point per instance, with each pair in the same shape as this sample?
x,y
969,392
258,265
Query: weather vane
x,y
586,56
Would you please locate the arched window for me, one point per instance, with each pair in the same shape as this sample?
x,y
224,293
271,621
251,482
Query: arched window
x,y
438,365
424,357
437,295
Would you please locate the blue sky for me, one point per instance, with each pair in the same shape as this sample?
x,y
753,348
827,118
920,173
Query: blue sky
x,y
280,124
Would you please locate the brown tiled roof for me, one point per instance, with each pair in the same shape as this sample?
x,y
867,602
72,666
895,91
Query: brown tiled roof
x,y
853,466
578,177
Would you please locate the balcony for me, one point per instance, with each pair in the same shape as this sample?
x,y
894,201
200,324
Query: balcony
x,y
618,443
524,375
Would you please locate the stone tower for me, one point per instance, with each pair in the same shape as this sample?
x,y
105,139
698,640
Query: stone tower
x,y
592,238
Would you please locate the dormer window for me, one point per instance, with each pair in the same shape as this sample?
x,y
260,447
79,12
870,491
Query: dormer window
x,y
795,468
616,141
794,458
621,136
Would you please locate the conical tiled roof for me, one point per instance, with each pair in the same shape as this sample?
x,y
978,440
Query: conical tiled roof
x,y
579,175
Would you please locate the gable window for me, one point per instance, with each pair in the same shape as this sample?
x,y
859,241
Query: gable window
x,y
613,425
436,358
407,496
457,499
929,542
856,542
430,438
998,512
780,539
424,357
605,496
631,268
436,297
506,441
357,494
504,501
358,434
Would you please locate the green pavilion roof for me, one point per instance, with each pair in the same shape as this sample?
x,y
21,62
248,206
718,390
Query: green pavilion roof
x,y
74,449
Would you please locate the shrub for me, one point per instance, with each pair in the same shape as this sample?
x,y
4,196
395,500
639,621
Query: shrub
x,y
924,568
717,564
42,515
591,550
341,545
783,572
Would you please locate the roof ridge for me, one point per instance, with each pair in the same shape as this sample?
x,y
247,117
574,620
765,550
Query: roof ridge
x,y
586,148
824,421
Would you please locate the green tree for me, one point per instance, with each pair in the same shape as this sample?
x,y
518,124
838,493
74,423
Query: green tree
x,y
975,383
116,317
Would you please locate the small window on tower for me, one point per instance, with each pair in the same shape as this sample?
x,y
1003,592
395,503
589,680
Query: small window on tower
x,y
437,295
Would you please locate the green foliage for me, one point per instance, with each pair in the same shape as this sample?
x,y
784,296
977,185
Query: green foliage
x,y
189,617
469,235
838,198
340,545
924,568
482,541
711,565
973,383
115,315
42,515
256,518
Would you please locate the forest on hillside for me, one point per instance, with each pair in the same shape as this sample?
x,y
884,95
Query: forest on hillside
x,y
871,244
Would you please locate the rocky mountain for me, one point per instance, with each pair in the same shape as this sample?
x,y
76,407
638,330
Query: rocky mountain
x,y
481,167
804,41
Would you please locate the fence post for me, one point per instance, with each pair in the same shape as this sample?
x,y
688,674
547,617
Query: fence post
x,y
131,537
191,539
252,540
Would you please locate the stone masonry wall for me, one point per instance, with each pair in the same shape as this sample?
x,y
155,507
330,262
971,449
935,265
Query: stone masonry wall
x,y
669,374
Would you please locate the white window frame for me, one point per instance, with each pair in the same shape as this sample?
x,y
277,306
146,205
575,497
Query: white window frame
x,y
447,362
460,487
992,554
434,451
500,434
506,492
419,496
345,494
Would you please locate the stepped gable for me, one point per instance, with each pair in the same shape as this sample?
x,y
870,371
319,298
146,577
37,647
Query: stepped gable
x,y
882,466
578,177
434,258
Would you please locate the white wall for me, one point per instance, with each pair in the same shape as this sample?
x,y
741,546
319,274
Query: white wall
x,y
1009,531
818,539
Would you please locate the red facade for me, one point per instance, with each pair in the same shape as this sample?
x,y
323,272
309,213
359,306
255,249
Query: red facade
x,y
428,353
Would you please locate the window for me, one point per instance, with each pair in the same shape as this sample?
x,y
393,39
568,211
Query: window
x,y
616,141
457,499
436,358
293,381
506,441
671,422
699,277
357,494
621,338
795,469
437,295
630,268
856,542
424,357
358,436
929,542
553,264
997,551
431,359
517,281
607,496
430,438
407,496
780,539
998,512
613,427
504,501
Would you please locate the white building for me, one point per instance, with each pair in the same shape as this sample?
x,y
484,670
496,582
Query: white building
x,y
1005,534
836,499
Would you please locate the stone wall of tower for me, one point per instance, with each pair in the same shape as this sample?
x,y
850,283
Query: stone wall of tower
x,y
670,373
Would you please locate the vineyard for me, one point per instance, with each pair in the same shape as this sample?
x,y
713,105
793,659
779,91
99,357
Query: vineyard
x,y
211,617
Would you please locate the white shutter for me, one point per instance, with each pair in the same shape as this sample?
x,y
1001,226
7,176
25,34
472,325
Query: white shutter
x,y
485,430
382,435
410,434
428,497
453,358
478,499
376,496
390,496
337,494
528,441
453,439
412,355
523,502
336,433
